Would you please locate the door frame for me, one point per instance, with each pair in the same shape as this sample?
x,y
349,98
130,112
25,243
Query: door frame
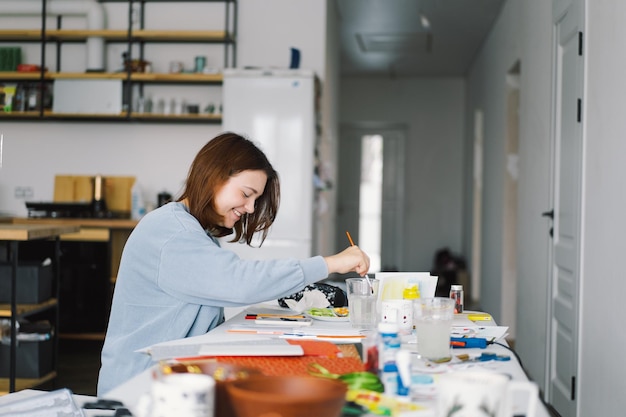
x,y
350,131
508,305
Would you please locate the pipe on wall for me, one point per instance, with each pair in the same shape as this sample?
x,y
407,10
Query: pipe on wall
x,y
90,9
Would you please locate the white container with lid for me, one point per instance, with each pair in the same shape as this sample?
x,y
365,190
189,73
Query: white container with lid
x,y
456,293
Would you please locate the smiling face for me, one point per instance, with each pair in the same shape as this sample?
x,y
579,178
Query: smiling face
x,y
241,204
238,194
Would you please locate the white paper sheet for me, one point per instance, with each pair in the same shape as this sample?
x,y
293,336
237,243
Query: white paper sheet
x,y
275,347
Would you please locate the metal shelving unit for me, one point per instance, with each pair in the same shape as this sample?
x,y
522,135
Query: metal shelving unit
x,y
12,236
133,37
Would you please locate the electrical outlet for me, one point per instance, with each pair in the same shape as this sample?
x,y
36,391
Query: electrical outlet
x,y
23,192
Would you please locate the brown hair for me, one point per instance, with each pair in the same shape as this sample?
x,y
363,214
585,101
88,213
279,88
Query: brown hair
x,y
222,157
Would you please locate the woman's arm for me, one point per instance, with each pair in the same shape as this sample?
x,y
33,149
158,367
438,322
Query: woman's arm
x,y
351,259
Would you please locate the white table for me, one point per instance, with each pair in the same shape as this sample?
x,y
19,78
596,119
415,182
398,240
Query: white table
x,y
133,389
130,391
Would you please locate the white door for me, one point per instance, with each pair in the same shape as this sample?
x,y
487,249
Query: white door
x,y
392,201
568,166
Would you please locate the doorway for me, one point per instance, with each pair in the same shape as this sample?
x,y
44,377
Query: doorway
x,y
509,222
370,202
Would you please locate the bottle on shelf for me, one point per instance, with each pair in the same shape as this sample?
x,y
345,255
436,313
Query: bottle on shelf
x,y
99,206
137,205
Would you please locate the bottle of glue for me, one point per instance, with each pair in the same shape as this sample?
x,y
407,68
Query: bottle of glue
x,y
412,293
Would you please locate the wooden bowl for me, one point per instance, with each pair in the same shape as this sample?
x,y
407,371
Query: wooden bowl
x,y
287,396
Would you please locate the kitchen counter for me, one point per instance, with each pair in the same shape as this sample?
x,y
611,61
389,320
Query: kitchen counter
x,y
16,232
101,239
102,223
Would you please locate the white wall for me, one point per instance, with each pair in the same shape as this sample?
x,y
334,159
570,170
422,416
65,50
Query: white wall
x,y
157,154
524,30
268,29
534,186
433,111
326,201
487,91
602,338
522,34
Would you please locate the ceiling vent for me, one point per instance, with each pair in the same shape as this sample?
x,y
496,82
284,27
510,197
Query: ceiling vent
x,y
395,42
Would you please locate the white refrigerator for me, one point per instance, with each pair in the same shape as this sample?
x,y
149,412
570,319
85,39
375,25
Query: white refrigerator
x,y
276,110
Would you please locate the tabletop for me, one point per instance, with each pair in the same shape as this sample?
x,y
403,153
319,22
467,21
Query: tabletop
x,y
130,391
133,389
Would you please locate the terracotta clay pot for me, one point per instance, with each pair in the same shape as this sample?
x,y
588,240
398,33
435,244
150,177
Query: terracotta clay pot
x,y
287,396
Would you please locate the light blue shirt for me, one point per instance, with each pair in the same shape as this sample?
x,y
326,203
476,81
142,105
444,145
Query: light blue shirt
x,y
174,282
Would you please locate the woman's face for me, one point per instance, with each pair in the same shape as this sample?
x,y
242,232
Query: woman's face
x,y
238,194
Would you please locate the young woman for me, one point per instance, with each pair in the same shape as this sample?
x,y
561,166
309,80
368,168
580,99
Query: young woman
x,y
174,278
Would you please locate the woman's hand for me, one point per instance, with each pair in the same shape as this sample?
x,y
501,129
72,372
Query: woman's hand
x,y
351,259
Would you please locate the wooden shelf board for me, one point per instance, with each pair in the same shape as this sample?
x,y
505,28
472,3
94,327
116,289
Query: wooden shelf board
x,y
115,35
180,35
20,114
88,75
80,34
20,34
184,77
25,383
22,76
85,115
155,116
5,309
144,77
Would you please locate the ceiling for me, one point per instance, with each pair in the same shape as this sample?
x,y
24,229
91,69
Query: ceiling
x,y
400,38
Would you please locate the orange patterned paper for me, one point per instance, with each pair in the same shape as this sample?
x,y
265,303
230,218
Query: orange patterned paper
x,y
295,365
317,348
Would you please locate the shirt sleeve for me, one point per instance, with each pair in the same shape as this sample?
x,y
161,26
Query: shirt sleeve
x,y
196,269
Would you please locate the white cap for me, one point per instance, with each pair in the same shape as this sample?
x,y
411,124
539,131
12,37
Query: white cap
x,y
387,327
